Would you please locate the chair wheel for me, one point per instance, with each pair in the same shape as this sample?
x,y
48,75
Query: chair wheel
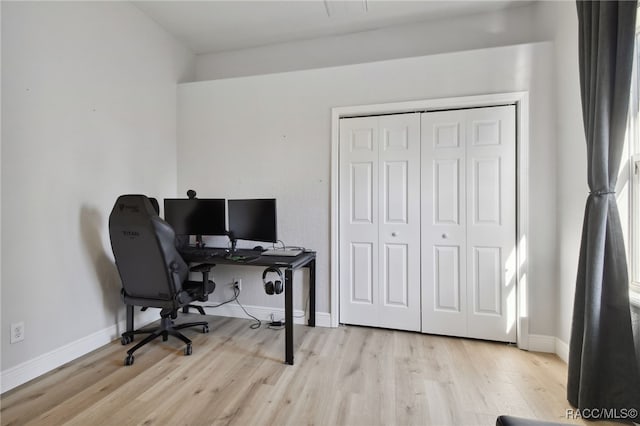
x,y
205,328
129,360
187,350
125,340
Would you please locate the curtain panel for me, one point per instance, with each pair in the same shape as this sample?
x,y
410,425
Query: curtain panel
x,y
603,369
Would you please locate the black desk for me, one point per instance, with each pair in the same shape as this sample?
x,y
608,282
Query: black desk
x,y
289,264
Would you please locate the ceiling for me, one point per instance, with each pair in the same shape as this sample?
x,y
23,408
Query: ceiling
x,y
216,26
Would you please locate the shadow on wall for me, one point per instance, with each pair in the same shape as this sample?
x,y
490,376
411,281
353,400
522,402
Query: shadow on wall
x,y
91,226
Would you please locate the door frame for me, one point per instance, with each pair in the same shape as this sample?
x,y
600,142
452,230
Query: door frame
x,y
521,102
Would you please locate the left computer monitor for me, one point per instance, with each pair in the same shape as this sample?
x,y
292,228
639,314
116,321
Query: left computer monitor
x,y
199,216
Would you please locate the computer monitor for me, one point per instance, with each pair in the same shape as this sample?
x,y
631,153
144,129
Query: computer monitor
x,y
198,216
253,220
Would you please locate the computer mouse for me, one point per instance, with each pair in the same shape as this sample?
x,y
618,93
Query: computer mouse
x,y
258,248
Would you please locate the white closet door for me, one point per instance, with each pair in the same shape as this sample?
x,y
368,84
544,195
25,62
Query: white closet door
x,y
380,221
491,223
359,296
444,295
468,223
399,230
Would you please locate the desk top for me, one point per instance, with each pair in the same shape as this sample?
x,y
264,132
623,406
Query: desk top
x,y
219,256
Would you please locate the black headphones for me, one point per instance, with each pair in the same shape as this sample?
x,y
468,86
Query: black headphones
x,y
272,287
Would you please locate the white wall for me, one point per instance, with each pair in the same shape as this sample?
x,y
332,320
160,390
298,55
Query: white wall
x,y
88,113
572,156
269,136
499,28
561,21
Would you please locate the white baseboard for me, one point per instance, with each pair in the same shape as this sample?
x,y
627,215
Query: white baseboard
x,y
542,343
323,319
28,370
562,350
551,344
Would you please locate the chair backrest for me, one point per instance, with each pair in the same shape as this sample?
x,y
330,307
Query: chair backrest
x,y
143,245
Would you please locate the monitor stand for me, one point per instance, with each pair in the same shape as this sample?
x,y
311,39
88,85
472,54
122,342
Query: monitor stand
x,y
233,254
233,246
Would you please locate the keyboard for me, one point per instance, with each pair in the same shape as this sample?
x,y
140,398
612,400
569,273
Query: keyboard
x,y
202,252
241,258
282,252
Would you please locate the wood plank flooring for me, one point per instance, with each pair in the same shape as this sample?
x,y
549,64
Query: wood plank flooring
x,y
345,376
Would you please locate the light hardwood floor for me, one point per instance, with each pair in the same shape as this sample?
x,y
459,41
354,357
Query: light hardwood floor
x,y
345,376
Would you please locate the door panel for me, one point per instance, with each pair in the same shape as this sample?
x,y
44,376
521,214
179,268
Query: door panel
x,y
446,189
396,191
443,212
396,282
486,191
487,282
362,193
491,235
447,278
399,232
379,181
395,138
362,139
362,273
358,220
485,132
468,222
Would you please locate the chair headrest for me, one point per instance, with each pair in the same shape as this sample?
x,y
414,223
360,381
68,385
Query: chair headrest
x,y
134,205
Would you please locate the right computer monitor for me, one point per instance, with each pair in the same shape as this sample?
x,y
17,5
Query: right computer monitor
x,y
197,216
253,220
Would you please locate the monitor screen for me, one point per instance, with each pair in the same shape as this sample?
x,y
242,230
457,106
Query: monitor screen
x,y
253,220
198,216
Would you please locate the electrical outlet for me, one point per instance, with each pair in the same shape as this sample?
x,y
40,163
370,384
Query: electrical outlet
x,y
17,332
237,283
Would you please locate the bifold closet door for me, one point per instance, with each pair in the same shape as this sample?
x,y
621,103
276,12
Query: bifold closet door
x,y
469,223
380,221
444,218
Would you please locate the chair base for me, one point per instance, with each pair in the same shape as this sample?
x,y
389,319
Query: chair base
x,y
167,328
185,309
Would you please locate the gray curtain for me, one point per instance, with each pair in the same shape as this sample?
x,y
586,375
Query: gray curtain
x,y
603,370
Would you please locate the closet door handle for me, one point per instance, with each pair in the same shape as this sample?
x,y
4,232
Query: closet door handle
x,y
394,234
445,236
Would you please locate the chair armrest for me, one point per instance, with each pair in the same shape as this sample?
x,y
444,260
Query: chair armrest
x,y
203,267
207,285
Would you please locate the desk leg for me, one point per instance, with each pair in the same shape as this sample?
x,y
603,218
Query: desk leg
x,y
288,315
312,294
129,318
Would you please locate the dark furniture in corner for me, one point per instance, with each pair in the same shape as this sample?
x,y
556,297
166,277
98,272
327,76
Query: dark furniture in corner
x,y
518,421
152,272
